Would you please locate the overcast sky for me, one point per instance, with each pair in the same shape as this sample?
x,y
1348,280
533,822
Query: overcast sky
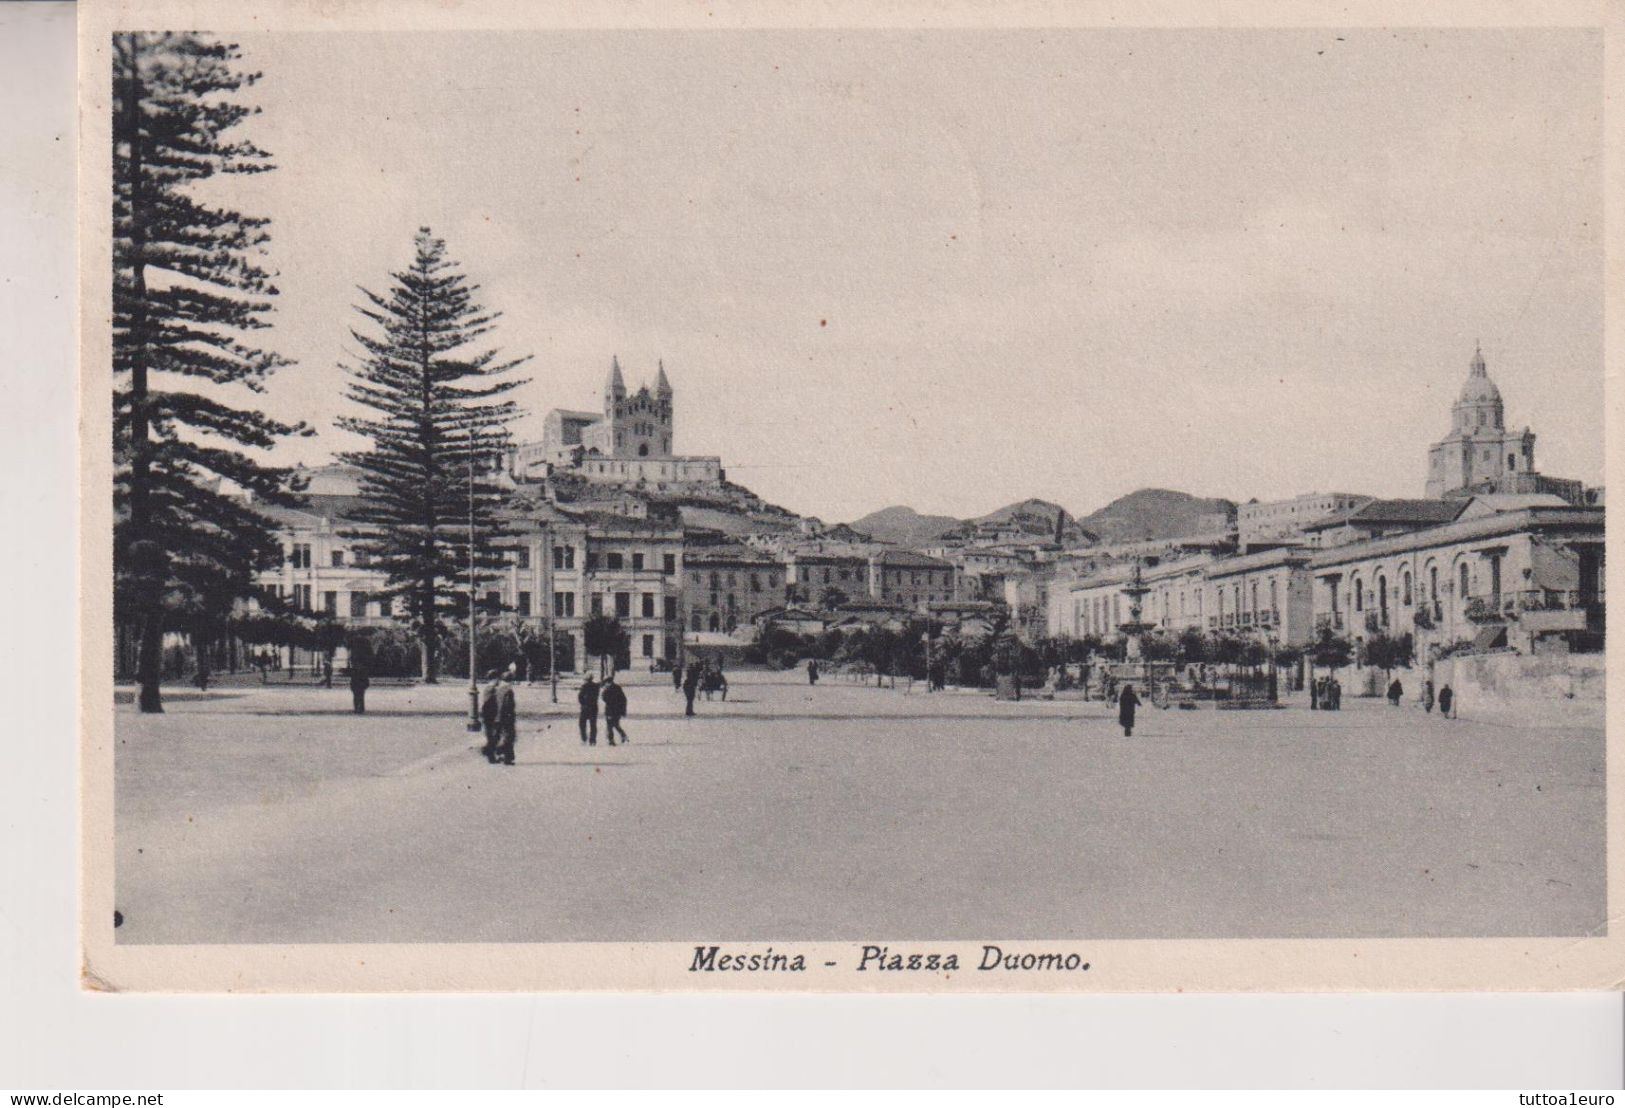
x,y
956,269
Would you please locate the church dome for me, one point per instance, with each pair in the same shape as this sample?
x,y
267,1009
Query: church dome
x,y
1479,389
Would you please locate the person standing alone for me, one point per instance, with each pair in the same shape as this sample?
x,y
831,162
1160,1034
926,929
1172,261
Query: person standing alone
x,y
614,698
588,718
1126,703
691,685
358,685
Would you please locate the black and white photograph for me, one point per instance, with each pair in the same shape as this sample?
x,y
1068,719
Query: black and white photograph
x,y
941,503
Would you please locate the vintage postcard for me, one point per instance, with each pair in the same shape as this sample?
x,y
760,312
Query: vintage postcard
x,y
923,496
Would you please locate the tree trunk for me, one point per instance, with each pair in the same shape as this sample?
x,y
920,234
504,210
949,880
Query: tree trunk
x,y
148,666
431,645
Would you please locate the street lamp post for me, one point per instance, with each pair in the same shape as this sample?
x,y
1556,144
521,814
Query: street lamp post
x,y
473,657
547,609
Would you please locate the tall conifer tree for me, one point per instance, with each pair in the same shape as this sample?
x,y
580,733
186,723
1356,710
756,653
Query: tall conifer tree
x,y
437,423
188,288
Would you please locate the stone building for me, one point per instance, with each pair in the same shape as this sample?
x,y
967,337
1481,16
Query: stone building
x,y
908,579
1258,522
1502,573
730,586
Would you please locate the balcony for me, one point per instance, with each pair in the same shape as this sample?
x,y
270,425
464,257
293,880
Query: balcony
x,y
1488,609
1332,621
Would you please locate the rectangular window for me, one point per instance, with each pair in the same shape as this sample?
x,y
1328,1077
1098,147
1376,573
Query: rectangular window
x,y
637,563
301,597
597,604
361,557
755,583
623,605
564,605
671,608
613,560
522,557
648,605
300,555
668,564
358,604
648,646
338,557
330,602
524,603
493,600
592,560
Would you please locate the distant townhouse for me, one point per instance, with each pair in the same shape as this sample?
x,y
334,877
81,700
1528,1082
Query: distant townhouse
x,y
730,586
1258,522
1379,518
907,579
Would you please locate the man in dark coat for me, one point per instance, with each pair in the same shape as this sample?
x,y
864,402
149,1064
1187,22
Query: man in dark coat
x,y
1395,692
358,685
507,721
587,698
1427,696
1334,694
812,671
490,718
1126,703
614,698
691,685
1447,701
677,677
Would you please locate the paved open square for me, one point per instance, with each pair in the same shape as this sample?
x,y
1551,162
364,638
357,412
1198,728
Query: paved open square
x,y
845,812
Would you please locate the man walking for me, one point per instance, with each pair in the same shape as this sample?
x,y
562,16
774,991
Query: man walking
x,y
1447,702
1427,696
614,698
588,719
507,720
677,677
1396,692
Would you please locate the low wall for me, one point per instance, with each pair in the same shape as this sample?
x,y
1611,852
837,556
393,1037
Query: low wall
x,y
1523,683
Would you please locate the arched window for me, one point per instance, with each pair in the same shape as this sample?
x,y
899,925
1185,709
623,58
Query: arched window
x,y
1405,585
1359,594
1273,605
1464,582
1433,583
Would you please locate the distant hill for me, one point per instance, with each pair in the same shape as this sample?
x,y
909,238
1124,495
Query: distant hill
x,y
1032,517
903,525
1155,514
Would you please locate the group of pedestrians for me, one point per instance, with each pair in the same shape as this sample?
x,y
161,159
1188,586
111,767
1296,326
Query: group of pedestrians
x,y
613,698
1326,694
1446,698
499,717
696,678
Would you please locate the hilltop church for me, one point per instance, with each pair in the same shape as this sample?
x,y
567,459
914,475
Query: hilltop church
x,y
628,443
